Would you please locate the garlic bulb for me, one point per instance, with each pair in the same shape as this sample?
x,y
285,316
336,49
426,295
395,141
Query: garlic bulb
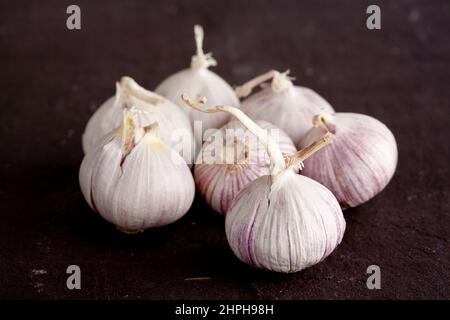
x,y
284,221
220,175
361,161
135,180
198,81
175,127
289,107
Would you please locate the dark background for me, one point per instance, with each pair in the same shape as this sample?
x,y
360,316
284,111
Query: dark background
x,y
52,80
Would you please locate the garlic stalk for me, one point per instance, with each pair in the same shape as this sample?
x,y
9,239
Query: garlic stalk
x,y
134,180
288,107
284,221
231,158
198,81
361,161
175,127
201,60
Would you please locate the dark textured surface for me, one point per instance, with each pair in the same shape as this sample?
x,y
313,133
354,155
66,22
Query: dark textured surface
x,y
52,79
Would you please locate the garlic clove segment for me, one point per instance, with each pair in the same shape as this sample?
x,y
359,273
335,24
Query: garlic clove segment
x,y
198,81
361,161
288,107
283,221
175,127
219,176
134,180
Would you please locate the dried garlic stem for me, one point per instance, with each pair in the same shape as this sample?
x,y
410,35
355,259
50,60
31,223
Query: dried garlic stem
x,y
305,153
246,88
320,121
196,104
199,35
131,87
201,60
275,154
280,82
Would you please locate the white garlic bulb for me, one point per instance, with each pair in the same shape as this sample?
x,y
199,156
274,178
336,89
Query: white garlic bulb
x,y
361,161
219,176
198,81
284,225
284,221
289,107
135,180
175,128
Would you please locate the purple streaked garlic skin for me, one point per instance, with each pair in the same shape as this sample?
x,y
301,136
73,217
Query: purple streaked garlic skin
x,y
360,162
219,182
288,107
284,227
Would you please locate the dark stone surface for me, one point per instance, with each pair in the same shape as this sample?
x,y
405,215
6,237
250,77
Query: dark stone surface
x,y
52,79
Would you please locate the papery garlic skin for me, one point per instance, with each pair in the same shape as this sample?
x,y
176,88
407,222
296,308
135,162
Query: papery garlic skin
x,y
219,182
360,162
198,81
174,124
288,107
151,187
285,226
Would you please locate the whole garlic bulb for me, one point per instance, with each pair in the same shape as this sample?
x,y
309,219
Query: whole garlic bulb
x,y
135,180
198,81
284,221
289,107
286,224
361,161
175,127
219,179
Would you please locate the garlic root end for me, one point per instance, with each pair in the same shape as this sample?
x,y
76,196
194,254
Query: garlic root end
x,y
127,231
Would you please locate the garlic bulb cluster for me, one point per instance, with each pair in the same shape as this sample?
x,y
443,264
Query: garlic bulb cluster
x,y
198,81
221,171
283,221
175,127
361,161
289,107
133,179
282,207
